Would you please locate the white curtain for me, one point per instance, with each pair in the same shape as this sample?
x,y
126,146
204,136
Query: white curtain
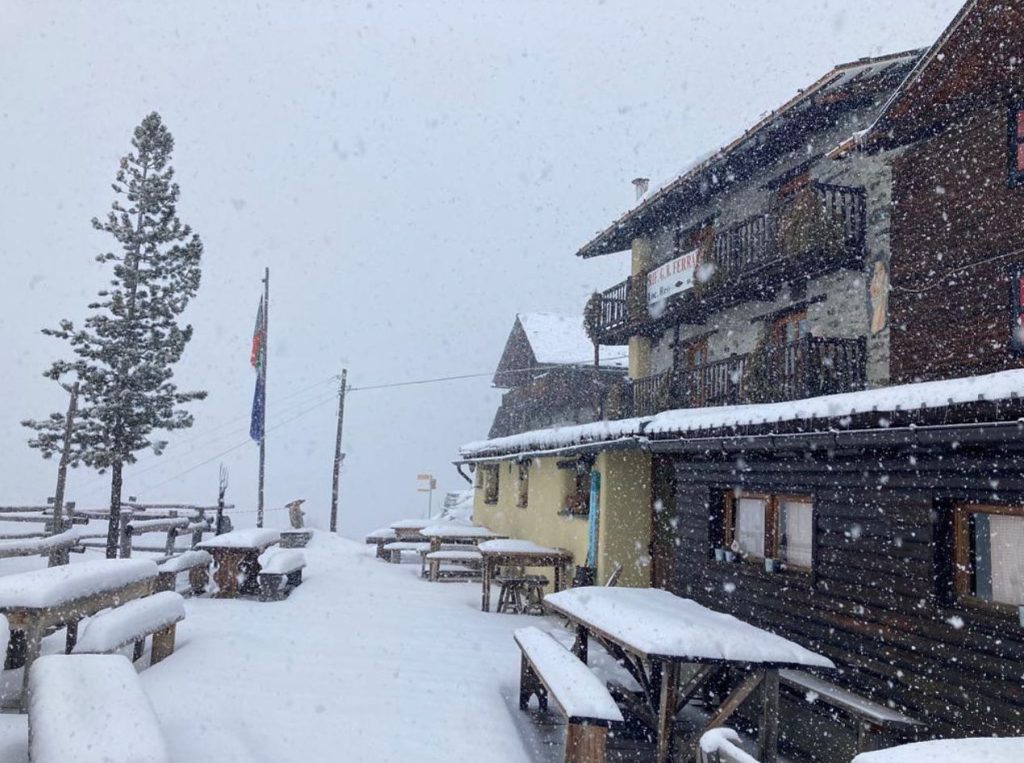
x,y
798,532
1006,535
750,525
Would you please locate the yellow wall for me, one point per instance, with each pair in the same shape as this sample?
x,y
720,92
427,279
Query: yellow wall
x,y
624,525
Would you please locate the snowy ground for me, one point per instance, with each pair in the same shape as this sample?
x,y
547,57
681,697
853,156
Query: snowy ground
x,y
363,662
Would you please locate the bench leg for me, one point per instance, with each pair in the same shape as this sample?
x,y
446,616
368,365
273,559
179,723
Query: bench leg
x,y
138,649
163,644
198,579
72,637
584,744
33,646
529,685
295,578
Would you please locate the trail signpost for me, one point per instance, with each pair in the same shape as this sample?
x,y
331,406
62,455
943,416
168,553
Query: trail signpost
x,y
427,485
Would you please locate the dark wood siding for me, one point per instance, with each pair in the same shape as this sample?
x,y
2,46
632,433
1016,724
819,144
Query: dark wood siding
x,y
879,601
953,211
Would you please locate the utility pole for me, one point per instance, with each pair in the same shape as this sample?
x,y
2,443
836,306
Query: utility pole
x,y
337,450
263,372
62,472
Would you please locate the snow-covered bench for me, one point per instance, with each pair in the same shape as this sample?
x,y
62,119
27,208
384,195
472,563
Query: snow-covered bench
x,y
424,569
872,718
58,545
471,560
196,563
156,615
91,709
550,671
393,551
280,572
381,537
722,745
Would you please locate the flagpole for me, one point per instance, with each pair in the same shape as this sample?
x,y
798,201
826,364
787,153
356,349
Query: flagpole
x,y
263,374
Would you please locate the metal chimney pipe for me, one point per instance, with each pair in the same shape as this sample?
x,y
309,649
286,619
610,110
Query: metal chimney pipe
x,y
641,185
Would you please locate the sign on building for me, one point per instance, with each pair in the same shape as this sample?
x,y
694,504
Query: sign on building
x,y
673,277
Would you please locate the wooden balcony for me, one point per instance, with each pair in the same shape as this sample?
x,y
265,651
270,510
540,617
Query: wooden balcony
x,y
809,367
819,229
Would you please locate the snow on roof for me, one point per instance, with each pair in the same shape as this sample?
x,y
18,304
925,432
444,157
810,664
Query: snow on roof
x,y
837,77
562,340
1003,385
655,622
978,750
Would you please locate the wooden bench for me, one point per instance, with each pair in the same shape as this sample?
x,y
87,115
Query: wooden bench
x,y
393,551
425,568
91,708
472,562
281,572
550,671
872,718
196,563
157,615
521,594
380,538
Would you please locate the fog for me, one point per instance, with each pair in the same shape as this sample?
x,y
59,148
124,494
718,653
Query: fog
x,y
412,174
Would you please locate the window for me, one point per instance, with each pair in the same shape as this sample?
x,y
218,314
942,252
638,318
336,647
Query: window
x,y
790,328
1017,310
577,501
771,526
1016,152
989,553
489,482
523,484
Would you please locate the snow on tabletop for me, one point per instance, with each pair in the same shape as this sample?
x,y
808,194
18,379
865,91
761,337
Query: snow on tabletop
x,y
725,740
381,532
186,560
281,561
411,524
116,627
513,545
91,708
558,437
52,586
580,693
655,622
406,545
978,750
458,531
253,537
562,340
455,556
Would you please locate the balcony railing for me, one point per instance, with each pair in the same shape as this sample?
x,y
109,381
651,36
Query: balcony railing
x,y
823,223
808,367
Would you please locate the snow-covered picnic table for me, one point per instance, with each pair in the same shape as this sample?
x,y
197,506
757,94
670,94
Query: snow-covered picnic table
x,y
452,532
653,633
237,556
520,553
38,600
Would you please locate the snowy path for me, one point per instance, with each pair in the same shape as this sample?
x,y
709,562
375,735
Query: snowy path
x,y
363,662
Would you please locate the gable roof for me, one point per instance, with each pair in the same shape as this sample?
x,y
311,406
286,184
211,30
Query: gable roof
x,y
880,71
981,47
543,340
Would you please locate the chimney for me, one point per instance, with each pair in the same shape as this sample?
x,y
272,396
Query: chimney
x,y
641,186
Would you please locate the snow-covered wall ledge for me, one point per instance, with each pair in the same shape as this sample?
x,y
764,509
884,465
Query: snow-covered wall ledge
x,y
1005,385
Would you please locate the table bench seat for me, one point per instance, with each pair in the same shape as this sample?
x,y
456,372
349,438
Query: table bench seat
x,y
196,563
550,671
393,551
872,718
281,572
156,615
470,560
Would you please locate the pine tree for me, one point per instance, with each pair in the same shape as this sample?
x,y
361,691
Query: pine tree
x,y
125,351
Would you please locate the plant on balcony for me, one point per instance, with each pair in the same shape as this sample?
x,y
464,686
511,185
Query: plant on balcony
x,y
756,384
808,231
592,318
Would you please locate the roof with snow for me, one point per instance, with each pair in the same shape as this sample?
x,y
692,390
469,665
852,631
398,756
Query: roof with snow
x,y
865,77
539,341
874,409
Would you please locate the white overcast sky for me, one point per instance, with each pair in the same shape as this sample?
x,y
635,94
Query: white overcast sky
x,y
413,174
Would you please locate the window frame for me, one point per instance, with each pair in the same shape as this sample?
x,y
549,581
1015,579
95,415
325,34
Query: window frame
x,y
963,561
772,529
522,484
490,483
1015,144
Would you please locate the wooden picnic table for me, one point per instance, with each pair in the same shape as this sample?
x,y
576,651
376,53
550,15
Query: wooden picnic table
x,y
38,600
520,553
437,534
236,555
410,529
653,633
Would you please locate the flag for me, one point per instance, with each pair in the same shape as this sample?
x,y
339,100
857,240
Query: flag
x,y
257,358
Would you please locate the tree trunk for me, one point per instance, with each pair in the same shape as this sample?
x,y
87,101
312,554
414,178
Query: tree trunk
x,y
113,528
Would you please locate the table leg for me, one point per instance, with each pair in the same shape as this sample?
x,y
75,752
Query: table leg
x,y
770,716
485,593
579,646
559,583
33,646
667,703
227,576
72,637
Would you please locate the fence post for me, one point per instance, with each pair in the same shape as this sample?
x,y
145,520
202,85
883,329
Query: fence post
x,y
172,535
